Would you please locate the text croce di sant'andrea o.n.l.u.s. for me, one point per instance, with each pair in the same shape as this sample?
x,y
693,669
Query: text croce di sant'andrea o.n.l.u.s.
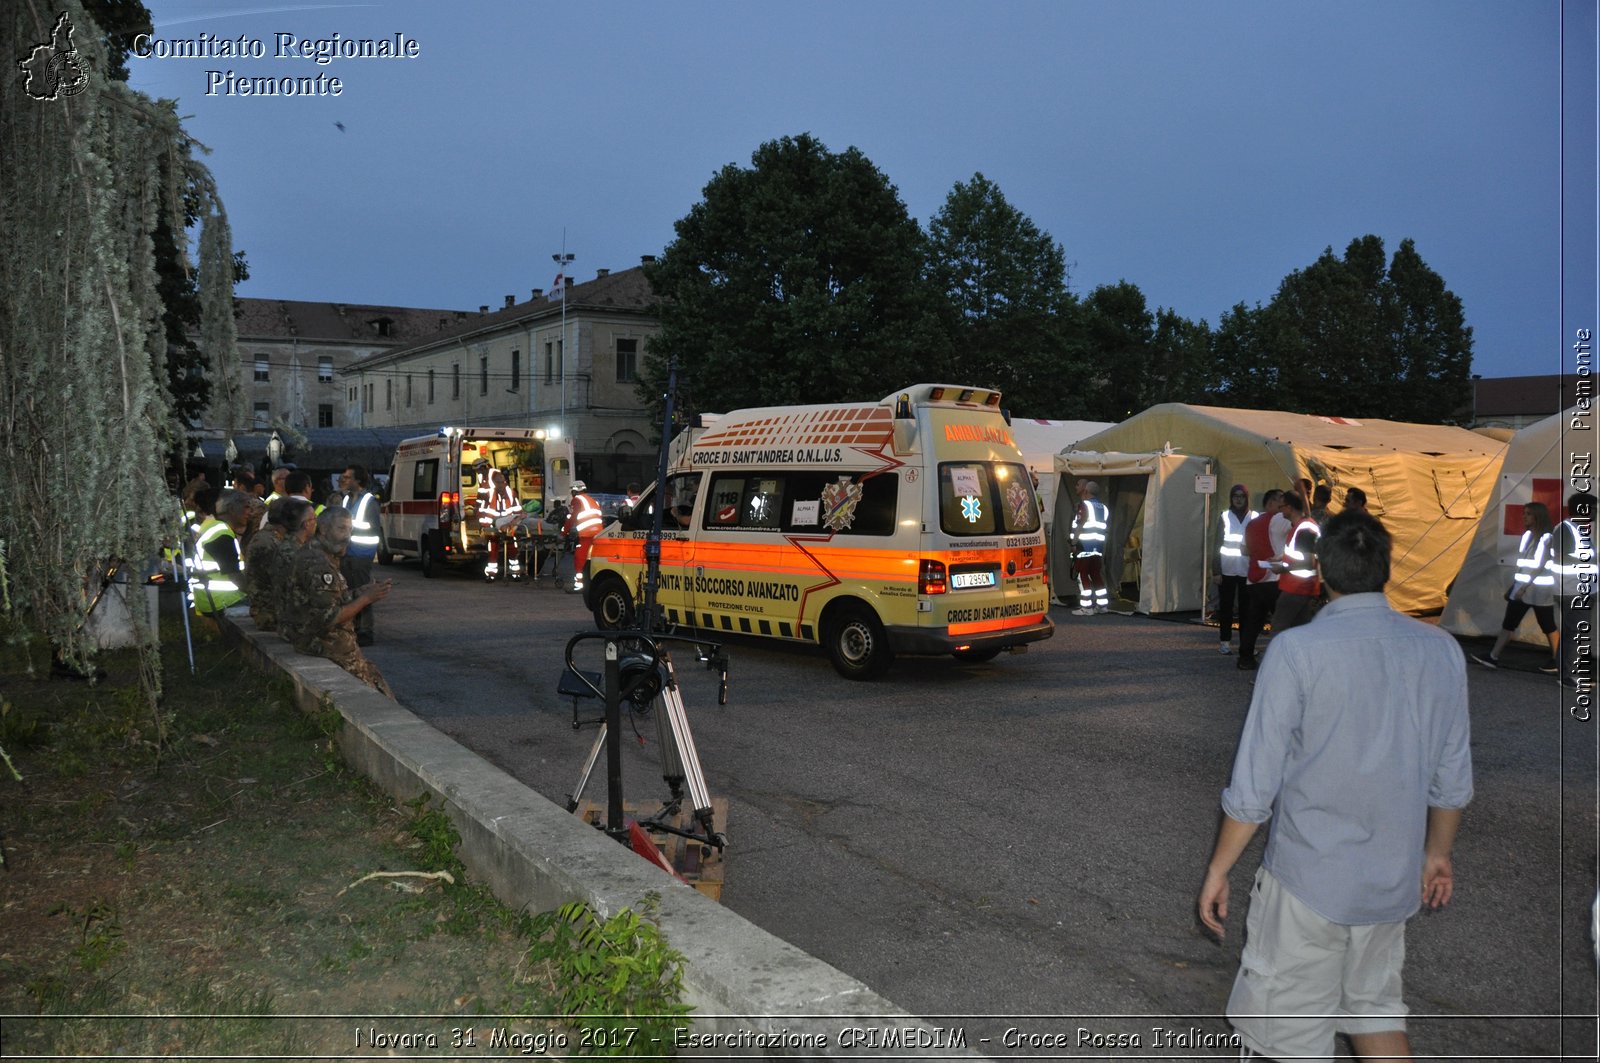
x,y
320,50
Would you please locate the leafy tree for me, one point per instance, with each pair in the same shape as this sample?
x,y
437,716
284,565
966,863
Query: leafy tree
x,y
1180,367
798,279
82,377
1118,328
1009,310
1352,337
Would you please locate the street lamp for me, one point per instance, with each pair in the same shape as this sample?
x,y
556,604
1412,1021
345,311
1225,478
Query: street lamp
x,y
563,260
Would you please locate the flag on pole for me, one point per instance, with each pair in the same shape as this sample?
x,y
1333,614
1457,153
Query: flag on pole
x,y
558,287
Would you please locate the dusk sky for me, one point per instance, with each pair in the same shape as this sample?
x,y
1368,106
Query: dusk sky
x,y
1199,150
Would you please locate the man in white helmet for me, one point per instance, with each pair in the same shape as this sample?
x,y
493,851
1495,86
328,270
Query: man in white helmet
x,y
583,523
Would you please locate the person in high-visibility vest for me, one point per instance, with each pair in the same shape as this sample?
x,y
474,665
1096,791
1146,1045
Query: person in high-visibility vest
x,y
498,511
1232,566
1533,586
583,524
1090,523
1572,562
1263,542
216,573
1299,585
356,565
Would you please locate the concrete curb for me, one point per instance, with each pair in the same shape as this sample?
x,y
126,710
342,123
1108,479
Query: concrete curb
x,y
744,984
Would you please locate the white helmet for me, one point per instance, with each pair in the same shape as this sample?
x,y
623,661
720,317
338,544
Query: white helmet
x,y
579,487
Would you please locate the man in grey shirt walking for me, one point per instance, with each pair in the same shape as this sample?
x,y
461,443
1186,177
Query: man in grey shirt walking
x,y
1356,746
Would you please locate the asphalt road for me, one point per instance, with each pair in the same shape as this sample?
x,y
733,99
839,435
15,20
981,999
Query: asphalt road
x,y
1025,837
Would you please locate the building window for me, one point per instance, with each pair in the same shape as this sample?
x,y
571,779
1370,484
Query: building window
x,y
627,361
324,415
261,368
351,395
430,387
381,326
388,393
516,370
455,381
483,375
408,391
325,368
549,362
263,413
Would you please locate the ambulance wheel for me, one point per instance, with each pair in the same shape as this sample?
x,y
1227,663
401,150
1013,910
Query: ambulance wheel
x,y
613,605
976,656
425,558
856,643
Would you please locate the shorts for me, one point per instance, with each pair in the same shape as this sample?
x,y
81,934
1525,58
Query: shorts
x,y
1303,979
1545,615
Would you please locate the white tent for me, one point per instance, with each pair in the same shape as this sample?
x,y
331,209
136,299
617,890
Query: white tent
x,y
1534,471
1429,484
1147,492
1040,441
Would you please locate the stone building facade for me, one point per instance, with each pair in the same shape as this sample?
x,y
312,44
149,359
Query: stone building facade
x,y
565,366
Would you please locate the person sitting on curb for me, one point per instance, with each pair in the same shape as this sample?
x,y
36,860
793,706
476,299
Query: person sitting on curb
x,y
319,611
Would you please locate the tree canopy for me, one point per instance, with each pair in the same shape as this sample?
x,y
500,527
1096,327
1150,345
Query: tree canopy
x,y
798,278
1354,337
1005,298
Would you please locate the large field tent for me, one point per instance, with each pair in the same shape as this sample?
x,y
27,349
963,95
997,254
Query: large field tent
x,y
1535,470
1430,485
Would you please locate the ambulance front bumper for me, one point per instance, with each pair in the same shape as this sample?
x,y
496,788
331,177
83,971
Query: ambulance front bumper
x,y
933,641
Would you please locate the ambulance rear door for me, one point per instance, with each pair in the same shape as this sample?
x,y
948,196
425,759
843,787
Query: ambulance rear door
x,y
984,523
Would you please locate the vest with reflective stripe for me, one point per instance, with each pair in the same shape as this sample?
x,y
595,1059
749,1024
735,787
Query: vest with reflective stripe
x,y
212,589
497,503
1089,526
1300,553
1572,562
1534,560
586,520
363,529
1232,546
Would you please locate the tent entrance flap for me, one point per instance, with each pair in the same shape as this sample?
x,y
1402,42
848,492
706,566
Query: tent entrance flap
x,y
1155,545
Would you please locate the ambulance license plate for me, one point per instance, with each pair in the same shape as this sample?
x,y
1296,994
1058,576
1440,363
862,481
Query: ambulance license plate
x,y
963,580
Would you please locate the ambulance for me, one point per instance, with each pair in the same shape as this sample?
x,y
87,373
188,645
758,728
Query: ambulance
x,y
431,513
905,526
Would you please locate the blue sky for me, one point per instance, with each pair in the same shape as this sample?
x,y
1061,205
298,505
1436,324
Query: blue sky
x,y
1199,150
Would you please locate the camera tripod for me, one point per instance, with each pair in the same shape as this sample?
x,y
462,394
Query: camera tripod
x,y
639,671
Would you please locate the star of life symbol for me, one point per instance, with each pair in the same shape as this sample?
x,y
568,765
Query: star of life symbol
x,y
971,509
55,69
839,502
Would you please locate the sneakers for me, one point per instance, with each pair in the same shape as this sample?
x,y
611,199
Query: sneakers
x,y
1082,612
1247,664
1551,667
1102,609
1224,648
1486,660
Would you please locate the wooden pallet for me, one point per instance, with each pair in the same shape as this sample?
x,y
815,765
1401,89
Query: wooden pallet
x,y
698,864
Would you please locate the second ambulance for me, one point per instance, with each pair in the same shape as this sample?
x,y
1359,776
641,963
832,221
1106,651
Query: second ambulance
x,y
905,526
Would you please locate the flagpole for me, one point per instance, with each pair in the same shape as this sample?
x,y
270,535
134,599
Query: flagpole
x,y
563,260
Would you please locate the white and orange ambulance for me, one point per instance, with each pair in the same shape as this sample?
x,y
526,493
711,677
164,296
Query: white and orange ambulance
x,y
905,526
432,509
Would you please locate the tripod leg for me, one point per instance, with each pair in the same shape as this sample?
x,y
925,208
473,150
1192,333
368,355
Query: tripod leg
x,y
588,770
671,762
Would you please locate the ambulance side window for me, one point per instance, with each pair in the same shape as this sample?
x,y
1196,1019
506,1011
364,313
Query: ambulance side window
x,y
425,478
806,501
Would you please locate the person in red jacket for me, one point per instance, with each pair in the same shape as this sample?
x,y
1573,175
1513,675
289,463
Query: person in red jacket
x,y
583,524
1299,586
1261,590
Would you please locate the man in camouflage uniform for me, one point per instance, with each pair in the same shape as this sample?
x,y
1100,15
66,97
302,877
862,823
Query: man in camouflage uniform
x,y
318,611
290,524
